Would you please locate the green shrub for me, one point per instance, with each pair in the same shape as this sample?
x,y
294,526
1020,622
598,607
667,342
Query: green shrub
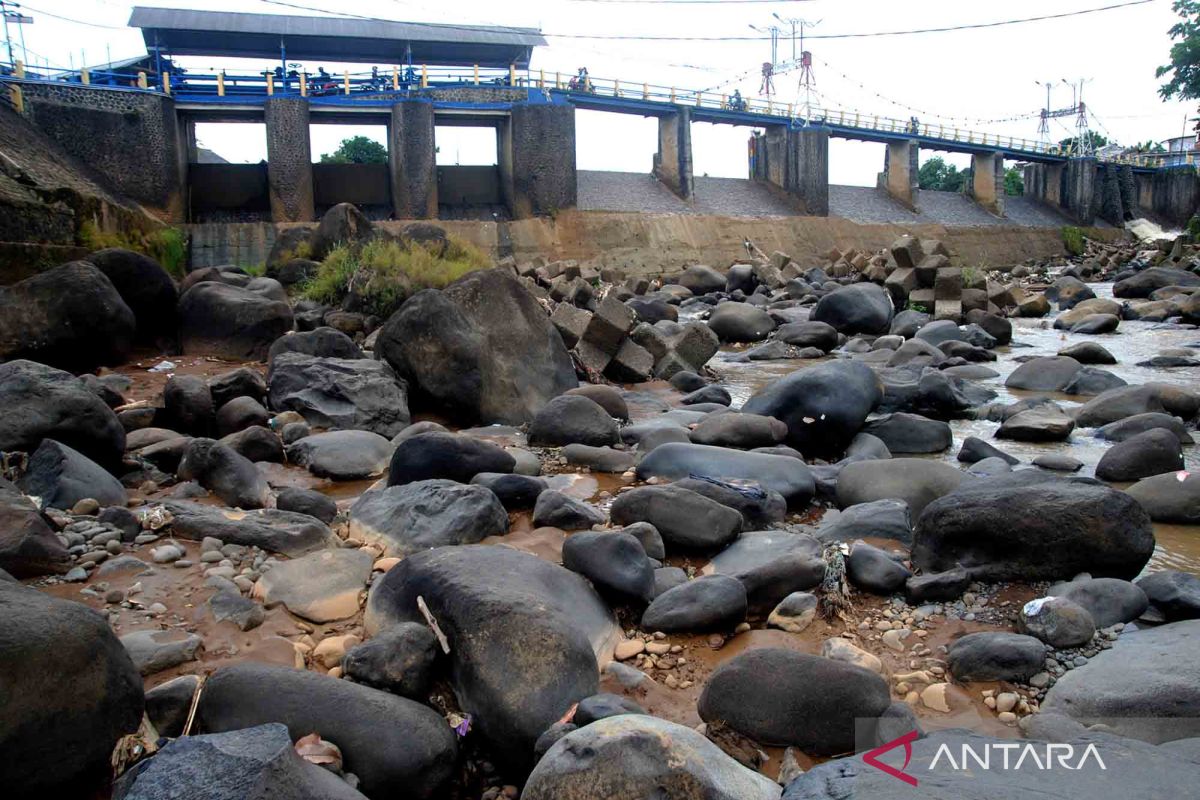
x,y
382,273
915,306
167,246
970,276
1193,228
255,270
1073,240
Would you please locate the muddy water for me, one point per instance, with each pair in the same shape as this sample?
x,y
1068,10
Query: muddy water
x,y
1178,546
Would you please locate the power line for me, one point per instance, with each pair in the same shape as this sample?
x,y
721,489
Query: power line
x,y
691,2
640,37
28,7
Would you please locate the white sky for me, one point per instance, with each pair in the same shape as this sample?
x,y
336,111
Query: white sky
x,y
981,74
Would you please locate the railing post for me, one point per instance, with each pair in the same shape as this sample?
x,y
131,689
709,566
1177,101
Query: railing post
x,y
221,83
541,79
17,96
770,107
724,101
346,80
476,74
789,110
698,96
645,91
270,84
19,69
616,87
558,80
141,80
672,94
304,84
85,76
167,83
395,78
424,77
512,75
856,120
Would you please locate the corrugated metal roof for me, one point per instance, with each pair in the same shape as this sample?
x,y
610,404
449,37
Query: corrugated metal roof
x,y
183,20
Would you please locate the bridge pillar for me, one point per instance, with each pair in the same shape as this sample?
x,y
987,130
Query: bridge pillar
x,y
808,169
411,160
777,155
987,181
1080,188
673,161
899,177
537,159
289,160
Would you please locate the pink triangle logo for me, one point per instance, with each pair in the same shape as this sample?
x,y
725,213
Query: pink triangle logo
x,y
906,741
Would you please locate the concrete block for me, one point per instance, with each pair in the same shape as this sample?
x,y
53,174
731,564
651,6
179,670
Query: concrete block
x,y
780,259
652,339
696,344
922,297
791,271
841,269
632,364
900,283
927,269
612,274
593,359
860,261
571,322
948,309
769,275
637,285
907,252
948,284
666,367
611,323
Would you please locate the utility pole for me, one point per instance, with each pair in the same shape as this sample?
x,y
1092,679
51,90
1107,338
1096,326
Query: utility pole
x,y
807,80
768,68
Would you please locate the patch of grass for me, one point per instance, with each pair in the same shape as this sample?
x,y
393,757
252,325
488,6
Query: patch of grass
x,y
971,276
915,306
382,273
255,270
1073,240
1193,227
167,246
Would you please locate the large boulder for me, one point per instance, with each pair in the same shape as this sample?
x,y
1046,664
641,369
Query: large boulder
x,y
482,349
1108,600
28,547
254,762
60,476
782,697
145,287
771,565
1150,453
69,317
1141,284
1146,687
1171,497
1049,530
788,476
702,280
320,587
684,518
713,602
41,402
292,534
435,513
910,433
344,224
69,692
996,656
573,419
857,308
221,320
615,562
395,746
322,342
824,406
741,431
229,475
1117,404
342,455
446,455
1146,771
881,519
339,393
630,755
740,322
915,481
506,615
1047,374
761,508
1175,594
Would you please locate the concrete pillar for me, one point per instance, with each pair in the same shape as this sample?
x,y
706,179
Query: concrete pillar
x,y
987,181
1054,184
673,161
900,172
1108,186
537,159
189,138
411,160
289,159
1128,189
1081,189
808,173
776,151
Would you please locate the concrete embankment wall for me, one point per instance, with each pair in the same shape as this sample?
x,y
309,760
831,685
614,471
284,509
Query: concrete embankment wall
x,y
649,244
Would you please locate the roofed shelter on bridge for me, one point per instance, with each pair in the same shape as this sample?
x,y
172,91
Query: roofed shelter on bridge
x,y
182,32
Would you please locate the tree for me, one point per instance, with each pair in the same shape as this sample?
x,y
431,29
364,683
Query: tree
x,y
938,176
1150,146
1184,83
1014,181
357,150
1094,139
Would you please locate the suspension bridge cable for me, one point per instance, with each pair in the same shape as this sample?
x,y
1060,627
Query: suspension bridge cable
x,y
28,7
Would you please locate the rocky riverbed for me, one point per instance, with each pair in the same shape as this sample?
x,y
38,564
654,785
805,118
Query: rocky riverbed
x,y
553,533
